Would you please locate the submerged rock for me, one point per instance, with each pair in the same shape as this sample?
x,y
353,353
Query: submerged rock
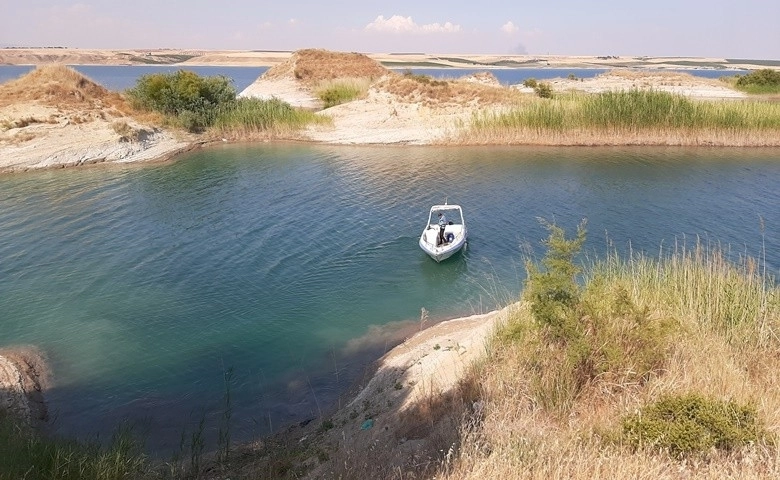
x,y
23,379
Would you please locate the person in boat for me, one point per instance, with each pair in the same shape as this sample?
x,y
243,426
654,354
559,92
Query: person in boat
x,y
442,223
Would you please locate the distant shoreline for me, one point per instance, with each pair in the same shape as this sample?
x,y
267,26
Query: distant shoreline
x,y
258,58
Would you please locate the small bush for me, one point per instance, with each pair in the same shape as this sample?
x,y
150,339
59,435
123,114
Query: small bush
x,y
530,83
552,290
125,131
762,81
691,424
766,76
544,90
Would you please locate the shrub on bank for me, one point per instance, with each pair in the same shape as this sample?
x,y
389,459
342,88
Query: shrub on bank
x,y
689,424
198,103
762,81
190,100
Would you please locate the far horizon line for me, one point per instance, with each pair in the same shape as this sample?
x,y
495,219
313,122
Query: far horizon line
x,y
391,53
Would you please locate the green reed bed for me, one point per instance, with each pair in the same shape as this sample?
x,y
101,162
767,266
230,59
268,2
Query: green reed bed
x,y
703,282
632,112
252,115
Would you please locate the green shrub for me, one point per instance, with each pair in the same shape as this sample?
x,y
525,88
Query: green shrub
x,y
582,335
190,99
690,424
530,83
552,289
544,90
765,76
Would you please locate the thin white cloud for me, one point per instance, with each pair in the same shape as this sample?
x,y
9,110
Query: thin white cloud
x,y
510,28
400,24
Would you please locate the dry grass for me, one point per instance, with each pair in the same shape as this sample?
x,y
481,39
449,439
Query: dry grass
x,y
727,348
62,87
449,92
312,66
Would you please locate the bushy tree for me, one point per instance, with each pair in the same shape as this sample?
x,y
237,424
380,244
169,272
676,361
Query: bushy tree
x,y
765,77
551,288
193,100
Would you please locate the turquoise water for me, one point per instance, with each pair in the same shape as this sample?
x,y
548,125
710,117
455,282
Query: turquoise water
x,y
294,266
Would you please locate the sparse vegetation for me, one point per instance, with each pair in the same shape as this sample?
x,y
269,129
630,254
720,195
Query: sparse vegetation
x,y
312,66
689,424
336,92
61,86
125,131
544,90
428,91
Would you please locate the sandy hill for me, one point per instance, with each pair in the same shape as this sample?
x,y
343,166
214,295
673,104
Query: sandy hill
x,y
61,87
55,116
315,65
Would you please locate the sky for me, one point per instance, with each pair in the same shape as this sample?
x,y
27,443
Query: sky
x,y
748,29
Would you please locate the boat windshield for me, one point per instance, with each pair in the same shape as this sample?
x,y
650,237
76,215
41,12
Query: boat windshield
x,y
453,215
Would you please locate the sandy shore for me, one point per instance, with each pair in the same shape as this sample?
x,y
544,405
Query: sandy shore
x,y
259,58
60,142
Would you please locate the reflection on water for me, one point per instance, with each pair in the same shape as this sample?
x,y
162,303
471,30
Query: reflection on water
x,y
286,264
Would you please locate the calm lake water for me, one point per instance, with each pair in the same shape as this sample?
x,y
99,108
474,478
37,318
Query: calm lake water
x,y
293,266
122,77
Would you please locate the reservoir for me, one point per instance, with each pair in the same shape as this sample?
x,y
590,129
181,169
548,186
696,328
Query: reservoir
x,y
279,272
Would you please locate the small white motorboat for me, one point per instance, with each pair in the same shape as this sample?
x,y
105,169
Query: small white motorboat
x,y
445,233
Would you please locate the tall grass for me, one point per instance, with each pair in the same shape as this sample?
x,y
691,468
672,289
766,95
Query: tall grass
x,y
724,346
642,115
249,117
700,281
25,454
342,90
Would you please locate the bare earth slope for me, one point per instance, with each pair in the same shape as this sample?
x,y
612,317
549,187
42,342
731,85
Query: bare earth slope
x,y
55,117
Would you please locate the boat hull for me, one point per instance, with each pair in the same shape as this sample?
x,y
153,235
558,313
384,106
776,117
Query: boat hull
x,y
428,244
